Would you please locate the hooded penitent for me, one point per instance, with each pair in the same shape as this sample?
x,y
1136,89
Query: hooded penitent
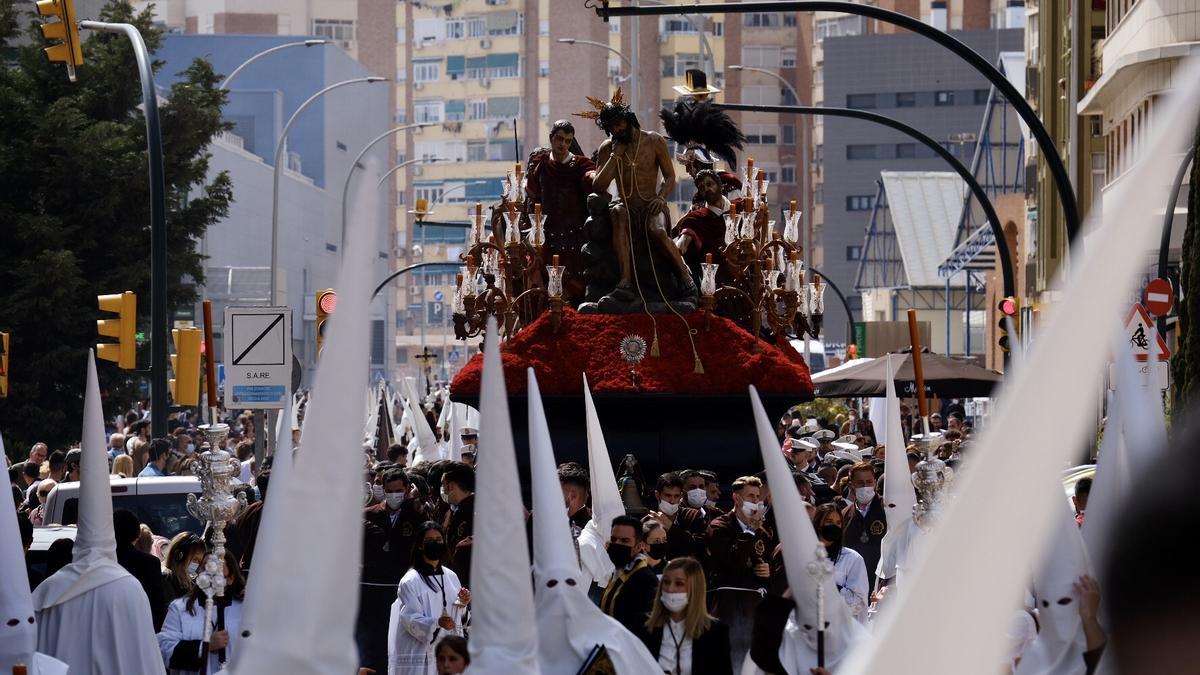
x,y
304,624
462,418
94,596
1060,644
503,640
798,653
423,445
18,627
569,625
606,499
899,495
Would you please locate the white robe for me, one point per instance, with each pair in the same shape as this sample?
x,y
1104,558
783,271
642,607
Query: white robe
x,y
850,574
415,632
182,625
118,632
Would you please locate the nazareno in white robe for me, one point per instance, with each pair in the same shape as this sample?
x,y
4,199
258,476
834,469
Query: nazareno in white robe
x,y
182,625
414,633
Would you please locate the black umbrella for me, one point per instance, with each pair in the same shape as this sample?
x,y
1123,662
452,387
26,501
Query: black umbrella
x,y
944,377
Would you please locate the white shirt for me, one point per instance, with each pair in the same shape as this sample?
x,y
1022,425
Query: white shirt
x,y
850,574
675,631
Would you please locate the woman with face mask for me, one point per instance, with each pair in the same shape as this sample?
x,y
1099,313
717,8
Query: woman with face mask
x,y
185,555
656,546
182,634
680,633
849,570
431,605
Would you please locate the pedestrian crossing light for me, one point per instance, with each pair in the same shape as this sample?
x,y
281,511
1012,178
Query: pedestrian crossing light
x,y
185,362
68,49
326,303
3,365
1008,318
124,328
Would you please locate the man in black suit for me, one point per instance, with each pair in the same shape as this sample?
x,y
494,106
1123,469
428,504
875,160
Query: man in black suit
x,y
865,521
630,595
685,526
144,567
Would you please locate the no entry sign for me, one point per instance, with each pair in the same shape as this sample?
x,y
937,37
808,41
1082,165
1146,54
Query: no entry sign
x,y
1159,297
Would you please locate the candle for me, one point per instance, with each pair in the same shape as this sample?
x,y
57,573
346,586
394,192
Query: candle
x,y
554,260
707,258
470,263
793,205
458,280
518,170
537,211
512,209
770,264
793,256
750,166
760,179
733,209
478,210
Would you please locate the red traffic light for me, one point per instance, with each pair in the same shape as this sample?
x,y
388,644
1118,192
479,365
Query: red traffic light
x,y
328,302
1008,307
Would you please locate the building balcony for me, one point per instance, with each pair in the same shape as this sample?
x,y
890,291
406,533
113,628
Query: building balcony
x,y
1151,24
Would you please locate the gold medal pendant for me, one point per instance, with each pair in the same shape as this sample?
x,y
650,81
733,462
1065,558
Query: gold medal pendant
x,y
445,622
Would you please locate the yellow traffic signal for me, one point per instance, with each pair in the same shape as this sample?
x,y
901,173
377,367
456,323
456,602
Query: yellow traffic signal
x,y
68,49
185,362
3,365
124,328
326,303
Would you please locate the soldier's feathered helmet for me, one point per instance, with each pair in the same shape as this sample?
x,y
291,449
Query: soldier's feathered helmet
x,y
604,113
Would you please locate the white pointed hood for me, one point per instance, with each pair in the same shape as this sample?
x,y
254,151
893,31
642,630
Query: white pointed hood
x,y
94,562
423,446
569,625
503,640
17,640
899,495
306,625
606,498
267,554
1060,644
798,653
462,417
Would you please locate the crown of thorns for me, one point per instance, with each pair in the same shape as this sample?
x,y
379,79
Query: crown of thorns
x,y
604,112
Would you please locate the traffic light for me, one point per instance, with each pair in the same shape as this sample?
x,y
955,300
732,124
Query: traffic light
x,y
3,365
68,49
185,362
1008,317
326,303
124,328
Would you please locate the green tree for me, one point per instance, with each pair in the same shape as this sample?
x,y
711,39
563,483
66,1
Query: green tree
x,y
1185,365
75,212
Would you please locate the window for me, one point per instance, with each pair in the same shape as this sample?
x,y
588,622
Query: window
x,y
614,24
839,27
788,131
906,150
787,57
476,27
476,151
860,101
428,110
456,110
906,99
819,193
432,194
402,35
819,73
718,29
428,30
476,67
500,24
761,94
504,107
426,71
860,151
673,25
761,134
789,19
762,20
544,110
400,199
543,26
981,96
854,253
761,57
787,175
338,31
456,29
860,202
498,151
943,98
543,69
679,64
477,109
503,66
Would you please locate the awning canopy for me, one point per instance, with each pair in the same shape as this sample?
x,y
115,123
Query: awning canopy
x,y
944,376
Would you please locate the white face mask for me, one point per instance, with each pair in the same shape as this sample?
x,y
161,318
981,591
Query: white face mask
x,y
377,492
394,499
697,497
674,602
193,569
191,448
446,496
750,509
864,495
667,507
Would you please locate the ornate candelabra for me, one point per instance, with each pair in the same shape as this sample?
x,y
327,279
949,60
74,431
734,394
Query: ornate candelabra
x,y
216,505
770,274
821,569
510,272
932,481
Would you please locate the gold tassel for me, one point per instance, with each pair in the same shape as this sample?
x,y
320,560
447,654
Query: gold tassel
x,y
654,346
699,370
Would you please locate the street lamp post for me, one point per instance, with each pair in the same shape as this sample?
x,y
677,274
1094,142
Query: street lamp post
x,y
806,214
279,145
601,45
305,43
354,165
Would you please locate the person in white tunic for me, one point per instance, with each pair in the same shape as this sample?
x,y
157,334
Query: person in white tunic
x,y
18,627
181,639
92,614
430,605
849,569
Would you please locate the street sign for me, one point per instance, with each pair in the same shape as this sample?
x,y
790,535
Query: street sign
x,y
438,296
453,356
1157,375
1138,328
258,357
1159,297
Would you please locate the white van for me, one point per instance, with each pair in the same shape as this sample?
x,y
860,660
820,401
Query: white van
x,y
160,502
816,353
